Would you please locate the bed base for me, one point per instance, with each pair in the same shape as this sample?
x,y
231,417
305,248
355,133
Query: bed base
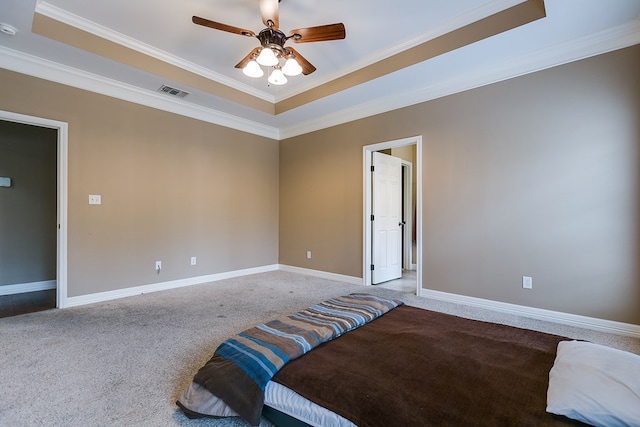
x,y
281,419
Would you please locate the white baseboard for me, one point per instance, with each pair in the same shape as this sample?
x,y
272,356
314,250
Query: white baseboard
x,y
322,274
20,288
174,284
603,325
609,326
162,286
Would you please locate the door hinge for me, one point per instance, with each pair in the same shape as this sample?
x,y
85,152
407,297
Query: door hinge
x,y
372,268
373,168
372,217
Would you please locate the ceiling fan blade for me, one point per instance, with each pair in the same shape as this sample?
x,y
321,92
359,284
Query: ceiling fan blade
x,y
319,34
307,67
246,59
223,27
269,12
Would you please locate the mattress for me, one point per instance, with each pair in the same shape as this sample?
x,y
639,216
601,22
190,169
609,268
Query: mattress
x,y
241,366
417,367
277,397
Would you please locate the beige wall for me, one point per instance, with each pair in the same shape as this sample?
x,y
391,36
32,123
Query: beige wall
x,y
321,201
171,187
533,176
28,206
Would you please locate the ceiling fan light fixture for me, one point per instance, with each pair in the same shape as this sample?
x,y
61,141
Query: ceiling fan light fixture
x,y
272,44
277,77
267,57
252,69
291,67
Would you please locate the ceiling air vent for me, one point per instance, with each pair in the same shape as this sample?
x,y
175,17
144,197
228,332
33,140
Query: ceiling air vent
x,y
173,91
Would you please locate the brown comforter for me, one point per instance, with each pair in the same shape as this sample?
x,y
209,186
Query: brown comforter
x,y
414,367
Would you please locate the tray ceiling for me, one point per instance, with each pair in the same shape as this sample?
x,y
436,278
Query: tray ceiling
x,y
395,53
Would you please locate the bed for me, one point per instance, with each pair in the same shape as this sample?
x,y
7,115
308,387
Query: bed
x,y
404,365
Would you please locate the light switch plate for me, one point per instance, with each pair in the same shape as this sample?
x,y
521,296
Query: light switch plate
x,y
95,199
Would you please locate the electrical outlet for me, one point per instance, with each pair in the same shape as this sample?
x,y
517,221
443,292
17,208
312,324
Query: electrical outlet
x,y
194,260
158,266
527,282
309,254
95,199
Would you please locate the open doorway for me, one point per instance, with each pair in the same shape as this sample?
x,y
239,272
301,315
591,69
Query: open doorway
x,y
56,276
412,262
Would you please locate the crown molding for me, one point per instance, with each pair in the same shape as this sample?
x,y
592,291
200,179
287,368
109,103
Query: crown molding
x,y
609,40
452,25
91,27
596,44
48,70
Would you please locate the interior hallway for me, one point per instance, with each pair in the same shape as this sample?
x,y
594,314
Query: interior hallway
x,y
27,302
407,283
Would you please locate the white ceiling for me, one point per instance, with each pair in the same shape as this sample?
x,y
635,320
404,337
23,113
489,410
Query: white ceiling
x,y
376,29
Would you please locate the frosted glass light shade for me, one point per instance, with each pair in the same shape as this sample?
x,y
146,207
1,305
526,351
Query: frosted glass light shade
x,y
277,77
291,67
267,57
252,69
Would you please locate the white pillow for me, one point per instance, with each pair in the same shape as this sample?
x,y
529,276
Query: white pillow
x,y
595,384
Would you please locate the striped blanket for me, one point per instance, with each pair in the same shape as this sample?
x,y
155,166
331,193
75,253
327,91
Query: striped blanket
x,y
242,366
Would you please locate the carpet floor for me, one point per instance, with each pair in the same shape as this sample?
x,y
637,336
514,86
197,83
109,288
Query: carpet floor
x,y
125,362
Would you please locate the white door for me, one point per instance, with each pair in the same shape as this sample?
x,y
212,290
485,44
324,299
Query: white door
x,y
386,235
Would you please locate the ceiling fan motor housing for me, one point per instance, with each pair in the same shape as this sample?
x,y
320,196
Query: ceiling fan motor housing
x,y
274,39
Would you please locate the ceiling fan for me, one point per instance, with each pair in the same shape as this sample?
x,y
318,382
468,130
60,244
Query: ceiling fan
x,y
272,44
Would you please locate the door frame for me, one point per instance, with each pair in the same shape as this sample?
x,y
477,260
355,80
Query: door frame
x,y
61,170
407,230
367,151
